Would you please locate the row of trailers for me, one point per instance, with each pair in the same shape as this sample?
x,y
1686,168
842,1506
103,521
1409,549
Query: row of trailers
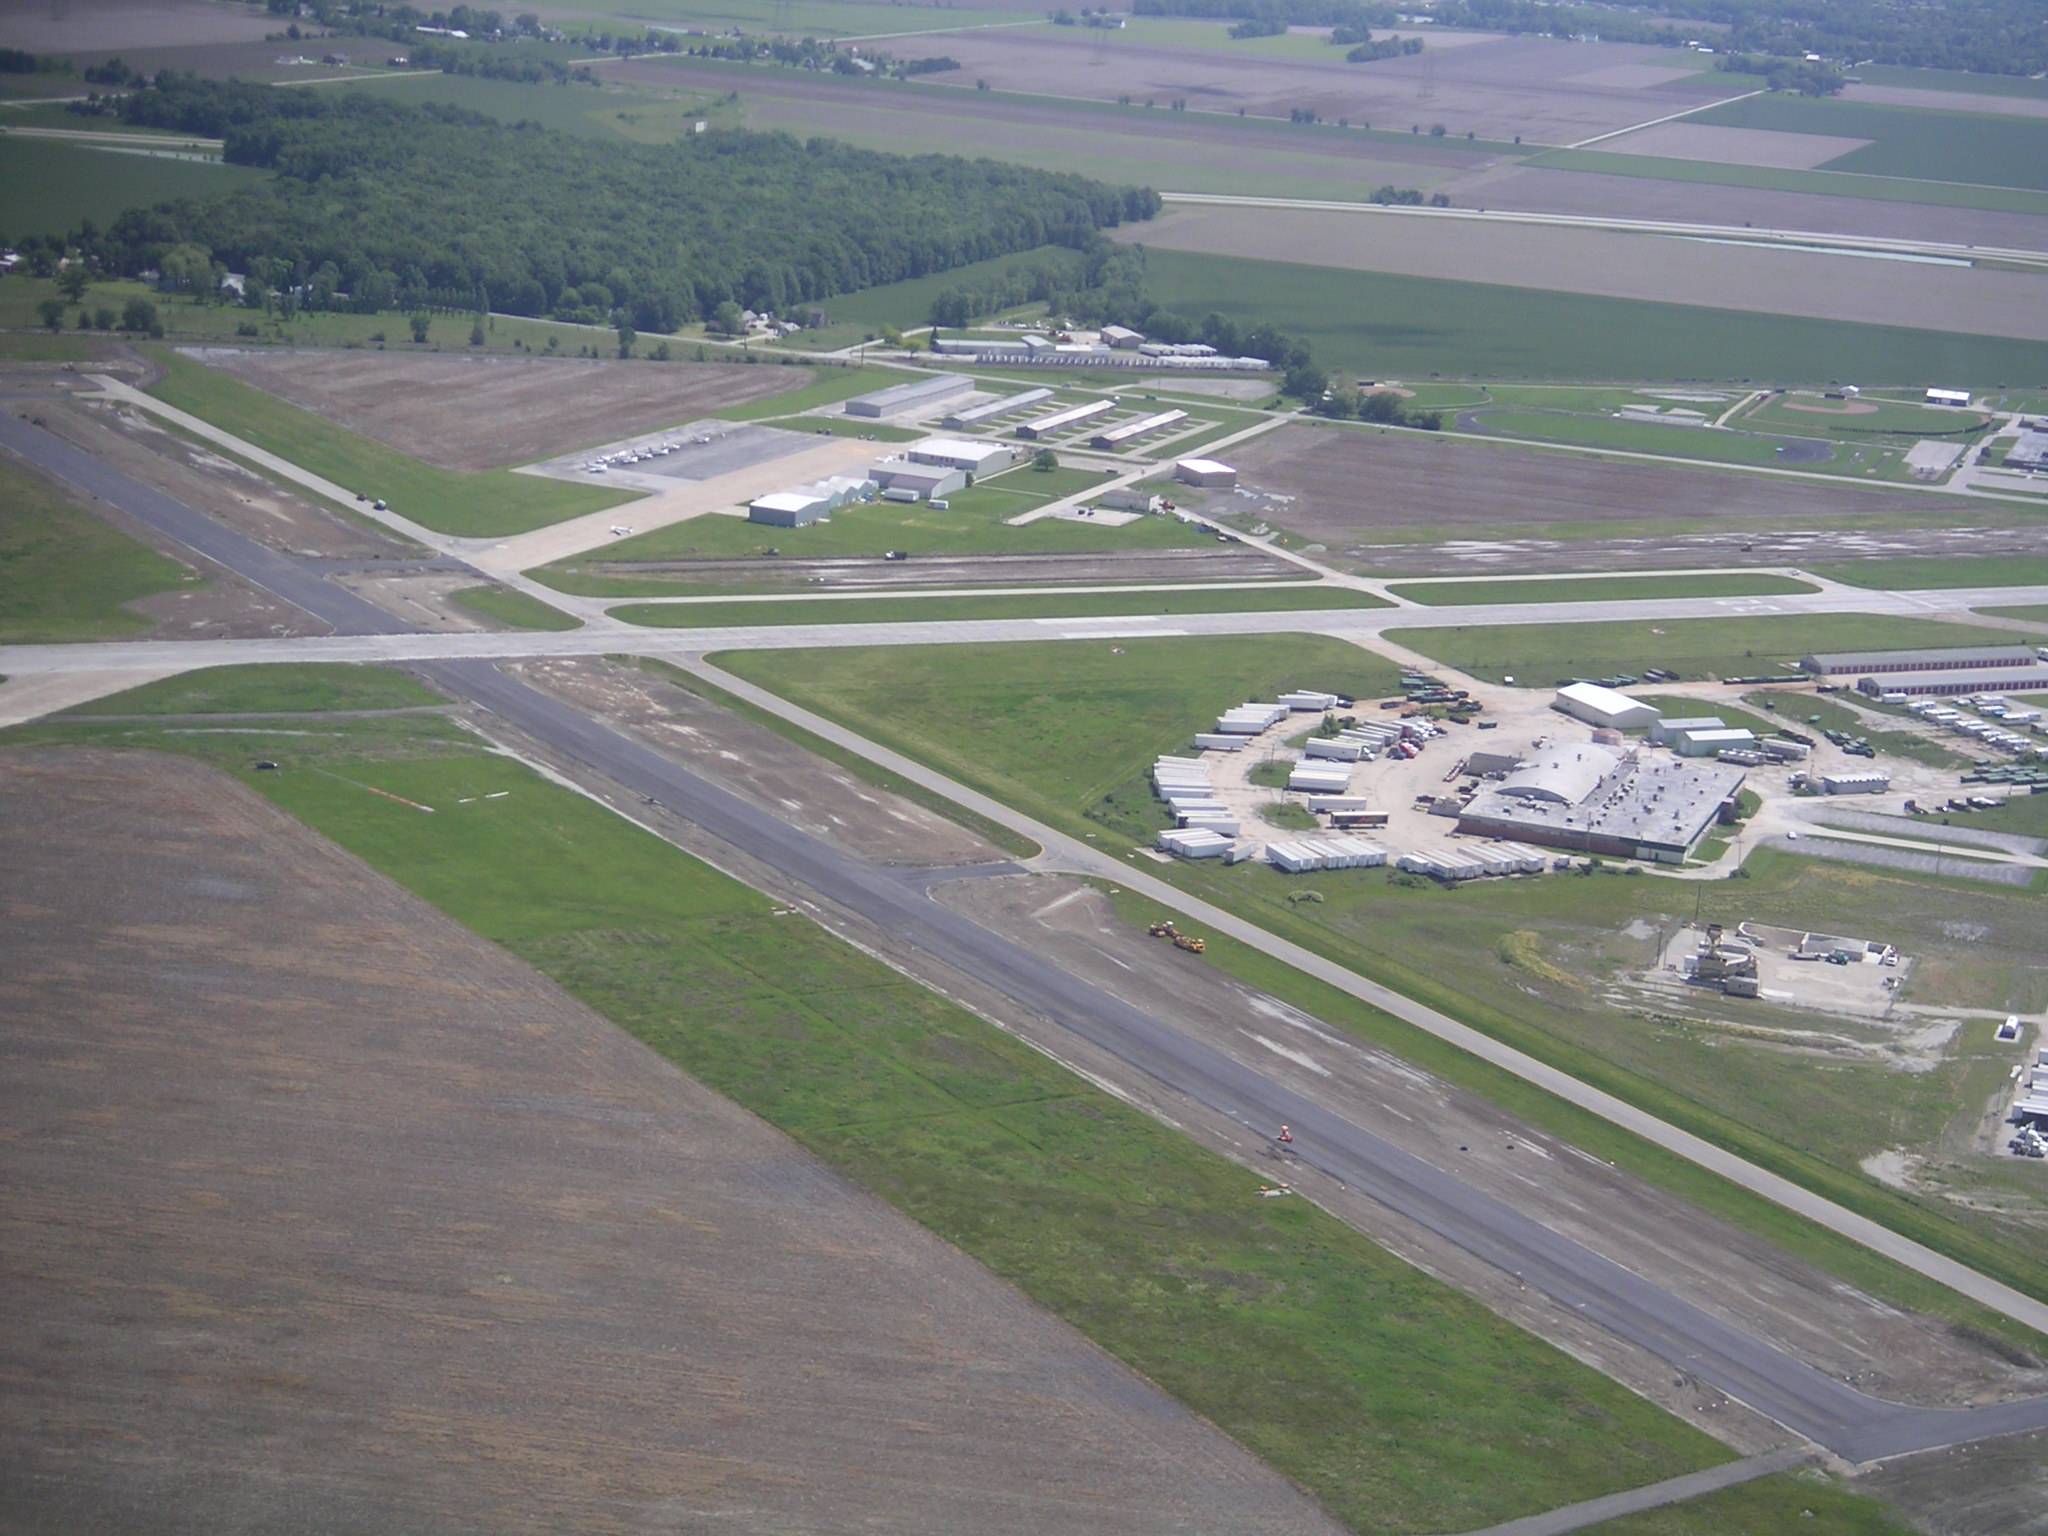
x,y
1307,855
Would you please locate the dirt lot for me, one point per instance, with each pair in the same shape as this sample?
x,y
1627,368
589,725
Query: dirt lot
x,y
1617,264
327,1215
1999,1488
69,26
1891,1354
1361,495
1539,190
472,413
1224,563
1548,91
752,761
1735,146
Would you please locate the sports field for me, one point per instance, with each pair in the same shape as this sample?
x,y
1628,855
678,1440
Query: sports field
x,y
1382,325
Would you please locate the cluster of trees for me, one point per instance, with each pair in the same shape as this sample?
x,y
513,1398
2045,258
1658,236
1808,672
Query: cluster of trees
x,y
1391,196
1344,402
1802,75
1999,37
1259,26
1048,278
19,61
381,205
495,64
1371,48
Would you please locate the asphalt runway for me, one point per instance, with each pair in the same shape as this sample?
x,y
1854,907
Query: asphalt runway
x,y
1830,1413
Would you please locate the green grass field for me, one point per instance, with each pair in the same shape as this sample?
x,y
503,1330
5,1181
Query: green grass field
x,y
1400,1404
517,610
1883,189
1934,572
1408,327
1890,417
494,502
2033,615
1592,589
64,574
1019,605
1537,654
2023,87
52,185
1671,440
1973,147
307,687
970,524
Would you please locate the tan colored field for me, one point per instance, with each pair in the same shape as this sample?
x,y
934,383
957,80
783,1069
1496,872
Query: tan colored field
x,y
69,26
1947,101
1734,146
472,413
326,1215
1831,407
1715,274
1547,90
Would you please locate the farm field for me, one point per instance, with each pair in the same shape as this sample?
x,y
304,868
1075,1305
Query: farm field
x,y
1536,654
319,1145
1022,605
469,414
1827,183
53,185
1970,147
1075,753
1380,325
1697,274
89,26
1540,186
1590,589
495,501
1675,440
1395,1401
1544,90
1423,485
65,575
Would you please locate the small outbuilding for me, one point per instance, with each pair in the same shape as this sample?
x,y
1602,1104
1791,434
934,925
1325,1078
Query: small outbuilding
x,y
1948,397
1209,474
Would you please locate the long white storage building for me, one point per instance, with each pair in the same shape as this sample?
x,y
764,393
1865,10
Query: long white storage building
x,y
995,410
1130,431
919,394
1060,421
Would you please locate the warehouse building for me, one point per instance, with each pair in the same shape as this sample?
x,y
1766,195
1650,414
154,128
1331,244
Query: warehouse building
x,y
1208,474
921,394
1065,420
1128,498
1661,731
1976,658
1594,799
1948,397
958,453
1603,707
1129,432
1709,740
2030,452
1948,683
807,504
971,416
900,480
1867,782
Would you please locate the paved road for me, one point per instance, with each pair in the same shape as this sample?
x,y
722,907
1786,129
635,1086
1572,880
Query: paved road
x,y
1816,1406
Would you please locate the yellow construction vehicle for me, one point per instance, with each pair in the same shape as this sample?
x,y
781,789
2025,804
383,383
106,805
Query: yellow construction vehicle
x,y
1180,940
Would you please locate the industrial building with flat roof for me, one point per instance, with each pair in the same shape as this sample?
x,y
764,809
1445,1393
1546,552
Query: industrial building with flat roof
x,y
1060,421
1603,706
1950,658
901,480
2030,452
1130,431
1210,474
1594,799
994,410
959,453
920,394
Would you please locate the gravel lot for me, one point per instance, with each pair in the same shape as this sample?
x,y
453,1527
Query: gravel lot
x,y
473,413
327,1216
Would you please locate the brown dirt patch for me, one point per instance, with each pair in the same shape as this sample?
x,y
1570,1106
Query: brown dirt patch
x,y
320,1203
1729,1273
1735,146
751,761
104,26
473,413
1831,407
1350,488
1615,264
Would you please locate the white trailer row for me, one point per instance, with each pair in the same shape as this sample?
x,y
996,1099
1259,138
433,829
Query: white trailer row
x,y
1310,854
2032,1100
1473,861
1217,741
1320,777
1306,700
1250,719
1195,843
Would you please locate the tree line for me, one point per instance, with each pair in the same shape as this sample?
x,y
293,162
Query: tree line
x,y
1995,37
377,205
